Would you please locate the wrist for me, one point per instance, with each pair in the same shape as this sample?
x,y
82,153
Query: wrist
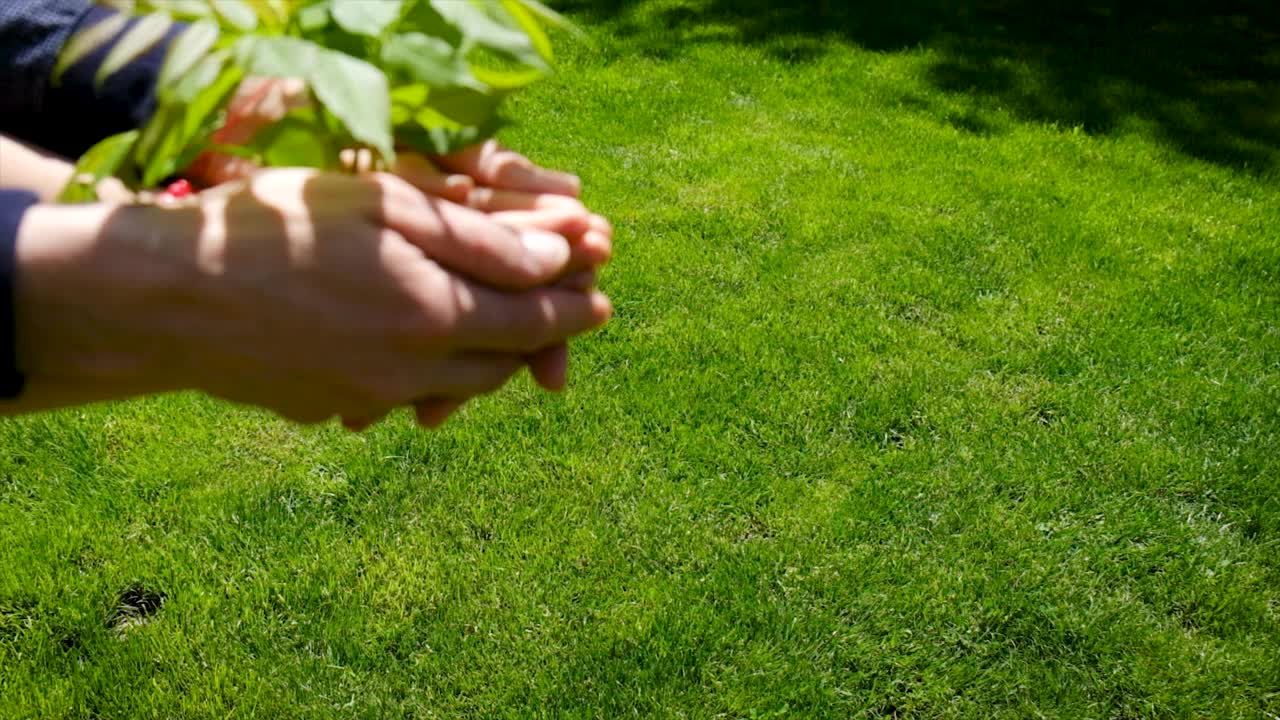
x,y
97,298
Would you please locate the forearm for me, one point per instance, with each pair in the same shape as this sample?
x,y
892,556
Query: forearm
x,y
94,308
28,168
22,166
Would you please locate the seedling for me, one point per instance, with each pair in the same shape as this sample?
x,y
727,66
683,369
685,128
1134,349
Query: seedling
x,y
382,75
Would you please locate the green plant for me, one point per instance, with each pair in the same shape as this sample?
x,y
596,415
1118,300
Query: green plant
x,y
427,75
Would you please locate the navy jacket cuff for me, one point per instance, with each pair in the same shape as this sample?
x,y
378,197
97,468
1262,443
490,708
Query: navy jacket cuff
x,y
13,206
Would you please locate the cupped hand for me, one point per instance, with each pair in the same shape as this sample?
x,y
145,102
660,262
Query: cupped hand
x,y
309,294
418,272
488,177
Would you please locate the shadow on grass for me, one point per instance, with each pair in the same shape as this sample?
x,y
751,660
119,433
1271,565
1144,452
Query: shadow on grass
x,y
1202,75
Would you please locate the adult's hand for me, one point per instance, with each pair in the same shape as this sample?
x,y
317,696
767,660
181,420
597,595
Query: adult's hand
x,y
486,176
311,295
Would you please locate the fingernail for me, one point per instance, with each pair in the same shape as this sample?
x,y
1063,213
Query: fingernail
x,y
599,245
549,250
457,188
479,197
602,306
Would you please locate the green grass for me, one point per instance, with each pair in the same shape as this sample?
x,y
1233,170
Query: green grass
x,y
922,401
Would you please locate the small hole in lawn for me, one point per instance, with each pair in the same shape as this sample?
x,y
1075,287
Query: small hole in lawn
x,y
70,641
1045,415
134,605
894,437
756,529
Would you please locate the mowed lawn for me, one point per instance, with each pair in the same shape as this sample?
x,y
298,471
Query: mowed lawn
x,y
944,383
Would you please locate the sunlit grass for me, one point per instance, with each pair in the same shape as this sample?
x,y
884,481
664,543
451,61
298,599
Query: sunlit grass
x,y
913,407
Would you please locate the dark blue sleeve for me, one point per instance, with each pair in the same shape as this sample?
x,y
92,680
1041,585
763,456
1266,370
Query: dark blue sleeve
x,y
68,118
13,205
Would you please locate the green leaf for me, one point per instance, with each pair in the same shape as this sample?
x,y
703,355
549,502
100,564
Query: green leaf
x,y
85,42
236,13
366,17
406,100
466,105
357,94
335,38
422,17
269,15
181,128
479,27
103,160
143,36
424,59
297,140
432,133
550,17
191,84
163,160
190,10
313,18
162,122
204,112
275,56
507,80
414,96
429,118
529,23
188,49
443,98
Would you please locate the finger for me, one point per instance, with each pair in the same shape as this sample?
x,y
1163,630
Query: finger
x,y
210,169
433,412
569,222
361,423
493,165
525,322
601,225
595,249
580,281
473,373
490,200
463,377
504,201
422,174
357,160
258,103
471,243
588,247
550,367
244,117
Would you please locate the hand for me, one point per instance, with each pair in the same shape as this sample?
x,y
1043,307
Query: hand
x,y
311,295
258,103
486,176
522,194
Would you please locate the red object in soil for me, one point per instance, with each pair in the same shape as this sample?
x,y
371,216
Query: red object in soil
x,y
179,189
